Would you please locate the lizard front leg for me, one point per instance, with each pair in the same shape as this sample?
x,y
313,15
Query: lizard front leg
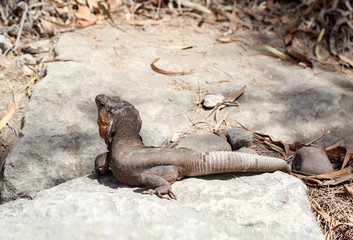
x,y
158,179
101,164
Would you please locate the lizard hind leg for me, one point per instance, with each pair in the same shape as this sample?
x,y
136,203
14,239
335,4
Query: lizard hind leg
x,y
158,180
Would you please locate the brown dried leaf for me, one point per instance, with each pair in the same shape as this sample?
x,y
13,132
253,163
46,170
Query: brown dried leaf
x,y
83,13
333,146
346,159
47,27
333,175
158,70
224,40
338,180
300,57
83,23
235,95
62,10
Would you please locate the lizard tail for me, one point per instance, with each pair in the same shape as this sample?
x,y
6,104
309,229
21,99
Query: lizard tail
x,y
220,162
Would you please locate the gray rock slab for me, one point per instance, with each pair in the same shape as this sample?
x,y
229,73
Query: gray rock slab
x,y
203,141
60,137
238,138
265,206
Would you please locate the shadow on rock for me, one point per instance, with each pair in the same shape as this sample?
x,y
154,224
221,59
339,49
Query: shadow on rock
x,y
225,176
108,180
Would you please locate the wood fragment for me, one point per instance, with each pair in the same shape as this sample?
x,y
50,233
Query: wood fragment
x,y
161,71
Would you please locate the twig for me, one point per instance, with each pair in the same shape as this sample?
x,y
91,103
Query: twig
x,y
24,15
195,6
9,114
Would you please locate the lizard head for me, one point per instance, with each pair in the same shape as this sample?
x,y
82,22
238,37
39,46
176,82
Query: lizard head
x,y
111,109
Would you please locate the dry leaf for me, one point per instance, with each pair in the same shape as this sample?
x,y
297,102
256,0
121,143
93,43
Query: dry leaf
x,y
333,175
317,46
300,57
274,51
158,70
47,27
224,40
346,159
83,23
334,145
338,180
62,10
83,13
172,47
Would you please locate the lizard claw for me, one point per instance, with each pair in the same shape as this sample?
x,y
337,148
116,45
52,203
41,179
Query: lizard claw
x,y
168,195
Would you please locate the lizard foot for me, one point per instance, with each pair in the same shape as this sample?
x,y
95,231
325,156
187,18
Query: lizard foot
x,y
168,194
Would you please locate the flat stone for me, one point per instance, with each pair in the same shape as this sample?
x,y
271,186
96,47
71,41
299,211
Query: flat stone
x,y
246,150
311,160
238,138
42,46
203,141
60,135
5,43
211,101
265,206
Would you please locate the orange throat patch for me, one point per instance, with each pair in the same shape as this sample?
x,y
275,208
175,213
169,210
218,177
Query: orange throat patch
x,y
103,128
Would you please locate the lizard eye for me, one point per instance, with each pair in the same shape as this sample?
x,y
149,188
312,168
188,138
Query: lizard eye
x,y
102,104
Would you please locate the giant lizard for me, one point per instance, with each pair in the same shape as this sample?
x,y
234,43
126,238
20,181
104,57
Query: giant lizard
x,y
135,164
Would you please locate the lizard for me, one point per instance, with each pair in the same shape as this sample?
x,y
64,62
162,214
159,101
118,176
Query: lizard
x,y
135,164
